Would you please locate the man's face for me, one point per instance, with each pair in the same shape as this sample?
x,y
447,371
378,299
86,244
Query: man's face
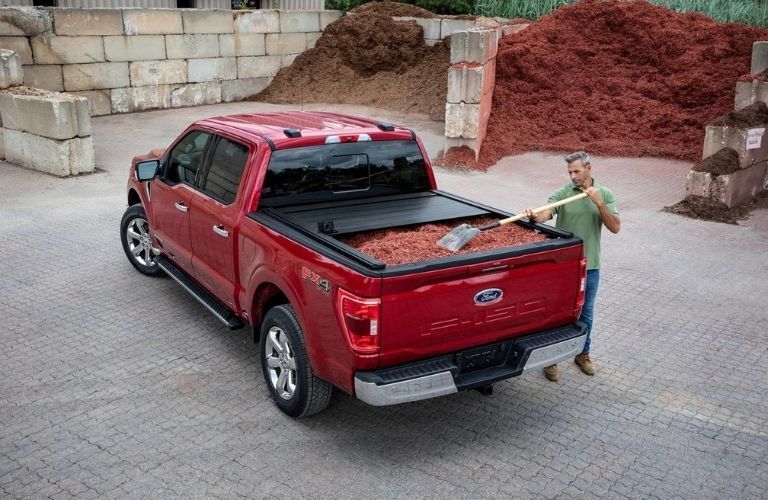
x,y
580,174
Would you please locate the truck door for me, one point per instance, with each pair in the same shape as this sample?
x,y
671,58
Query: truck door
x,y
171,195
213,219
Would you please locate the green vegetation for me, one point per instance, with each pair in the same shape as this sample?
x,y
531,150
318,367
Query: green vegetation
x,y
754,12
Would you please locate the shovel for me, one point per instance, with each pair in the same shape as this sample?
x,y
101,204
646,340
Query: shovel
x,y
465,233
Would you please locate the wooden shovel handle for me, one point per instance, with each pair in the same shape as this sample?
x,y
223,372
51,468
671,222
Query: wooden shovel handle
x,y
545,207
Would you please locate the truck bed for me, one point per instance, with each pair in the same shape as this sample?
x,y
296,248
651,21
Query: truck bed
x,y
318,225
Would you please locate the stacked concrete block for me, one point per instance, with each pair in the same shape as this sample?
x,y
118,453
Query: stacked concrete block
x,y
20,45
83,22
237,90
471,79
11,72
152,22
266,21
258,67
208,70
41,76
168,72
130,99
21,21
750,92
299,21
46,131
134,48
207,21
192,46
759,57
449,26
329,16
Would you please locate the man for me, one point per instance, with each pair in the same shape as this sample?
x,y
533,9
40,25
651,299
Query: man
x,y
584,218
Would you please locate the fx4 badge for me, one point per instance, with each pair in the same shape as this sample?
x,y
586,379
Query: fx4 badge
x,y
488,296
321,283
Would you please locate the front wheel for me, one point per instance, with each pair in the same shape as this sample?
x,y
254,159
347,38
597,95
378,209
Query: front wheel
x,y
137,242
285,365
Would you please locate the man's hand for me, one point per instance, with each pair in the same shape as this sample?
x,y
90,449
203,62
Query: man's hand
x,y
595,196
543,216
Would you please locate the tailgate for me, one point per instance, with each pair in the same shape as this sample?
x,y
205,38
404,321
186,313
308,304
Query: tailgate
x,y
437,312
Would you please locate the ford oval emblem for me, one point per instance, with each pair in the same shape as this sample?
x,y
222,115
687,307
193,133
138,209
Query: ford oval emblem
x,y
489,296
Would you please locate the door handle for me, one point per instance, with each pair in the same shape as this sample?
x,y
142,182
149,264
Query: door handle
x,y
221,231
181,206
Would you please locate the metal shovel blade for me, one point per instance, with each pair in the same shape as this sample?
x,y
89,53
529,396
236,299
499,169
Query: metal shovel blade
x,y
458,237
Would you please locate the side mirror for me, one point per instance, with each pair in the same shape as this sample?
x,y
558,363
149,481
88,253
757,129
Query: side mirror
x,y
146,170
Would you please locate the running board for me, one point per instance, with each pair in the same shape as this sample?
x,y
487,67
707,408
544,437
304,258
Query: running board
x,y
201,294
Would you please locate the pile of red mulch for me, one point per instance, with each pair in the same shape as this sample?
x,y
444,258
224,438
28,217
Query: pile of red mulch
x,y
368,59
415,244
615,78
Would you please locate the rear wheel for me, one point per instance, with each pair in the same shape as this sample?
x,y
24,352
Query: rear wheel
x,y
285,365
137,241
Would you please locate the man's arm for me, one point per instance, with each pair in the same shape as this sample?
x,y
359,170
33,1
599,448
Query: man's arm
x,y
539,217
610,219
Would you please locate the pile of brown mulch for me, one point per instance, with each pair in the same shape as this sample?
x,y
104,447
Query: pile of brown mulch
x,y
615,78
405,245
392,9
751,116
725,161
696,207
368,59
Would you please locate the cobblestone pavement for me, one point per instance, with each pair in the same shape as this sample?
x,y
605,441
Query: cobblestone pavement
x,y
117,385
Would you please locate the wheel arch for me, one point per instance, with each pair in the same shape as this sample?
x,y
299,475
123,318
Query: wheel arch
x,y
266,296
133,197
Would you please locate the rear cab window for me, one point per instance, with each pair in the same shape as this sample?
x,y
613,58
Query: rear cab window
x,y
329,172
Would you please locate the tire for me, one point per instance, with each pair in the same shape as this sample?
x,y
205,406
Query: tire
x,y
137,244
285,365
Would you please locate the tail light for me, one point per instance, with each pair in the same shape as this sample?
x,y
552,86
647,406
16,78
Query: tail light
x,y
582,285
359,318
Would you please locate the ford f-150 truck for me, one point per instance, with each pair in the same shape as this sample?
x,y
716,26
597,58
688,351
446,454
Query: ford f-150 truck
x,y
248,213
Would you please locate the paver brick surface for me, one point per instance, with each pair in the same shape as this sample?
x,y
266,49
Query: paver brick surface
x,y
116,385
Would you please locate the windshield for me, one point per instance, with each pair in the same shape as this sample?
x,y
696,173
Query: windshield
x,y
350,170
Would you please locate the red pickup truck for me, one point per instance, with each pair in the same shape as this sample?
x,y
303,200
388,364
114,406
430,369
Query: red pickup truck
x,y
248,213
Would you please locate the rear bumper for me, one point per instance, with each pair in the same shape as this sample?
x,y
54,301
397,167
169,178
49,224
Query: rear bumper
x,y
471,368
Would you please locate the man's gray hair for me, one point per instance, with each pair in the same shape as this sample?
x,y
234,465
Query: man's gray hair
x,y
578,155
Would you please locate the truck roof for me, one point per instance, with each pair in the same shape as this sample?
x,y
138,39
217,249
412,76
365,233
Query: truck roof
x,y
279,127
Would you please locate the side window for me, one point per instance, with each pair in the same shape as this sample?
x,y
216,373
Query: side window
x,y
187,157
223,177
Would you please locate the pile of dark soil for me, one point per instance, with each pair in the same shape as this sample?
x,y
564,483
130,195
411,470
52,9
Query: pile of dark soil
x,y
753,115
725,161
615,78
696,207
392,9
368,59
414,244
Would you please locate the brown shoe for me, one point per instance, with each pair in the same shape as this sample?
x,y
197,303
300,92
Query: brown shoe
x,y
583,362
552,372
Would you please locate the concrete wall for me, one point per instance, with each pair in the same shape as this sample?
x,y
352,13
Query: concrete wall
x,y
125,60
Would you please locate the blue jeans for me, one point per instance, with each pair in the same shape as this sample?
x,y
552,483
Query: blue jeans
x,y
588,312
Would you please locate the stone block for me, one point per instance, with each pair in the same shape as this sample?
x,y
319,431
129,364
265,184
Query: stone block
x,y
67,49
450,26
462,120
40,76
299,21
47,114
152,22
286,43
453,142
134,48
732,189
196,94
18,44
717,138
24,21
430,42
258,67
96,76
267,21
469,83
312,39
80,22
145,73
130,99
215,68
56,157
11,70
749,93
329,16
510,29
237,90
192,46
430,26
206,21
242,44
759,57
475,45
99,102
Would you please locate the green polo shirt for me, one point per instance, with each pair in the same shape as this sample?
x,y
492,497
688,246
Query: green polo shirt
x,y
583,219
